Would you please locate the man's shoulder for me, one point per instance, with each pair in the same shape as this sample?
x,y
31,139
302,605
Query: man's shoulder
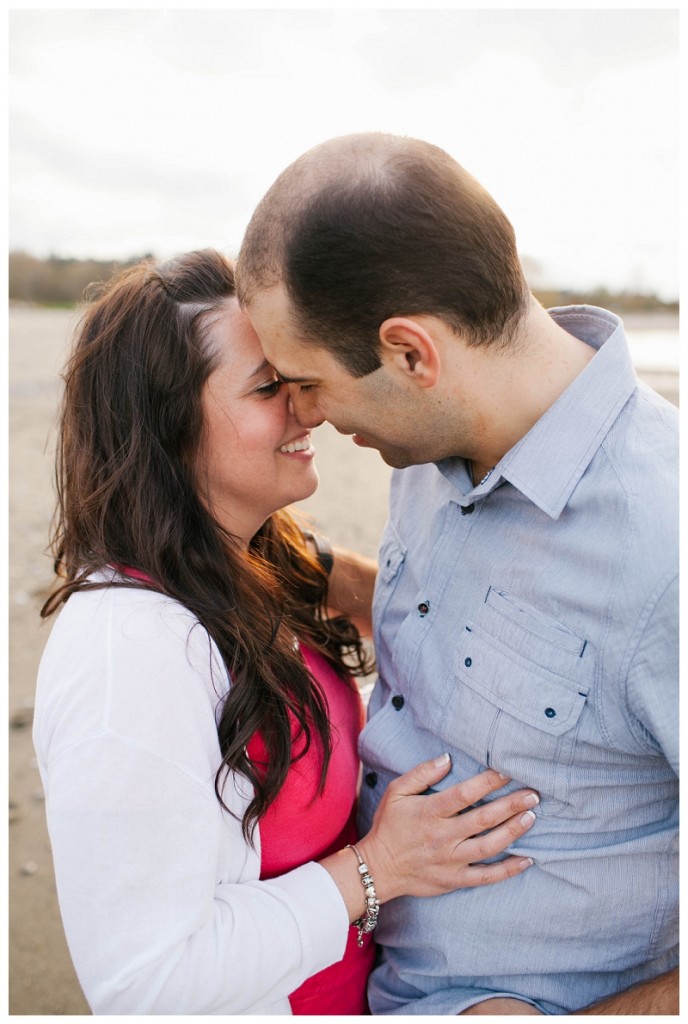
x,y
637,478
649,403
644,443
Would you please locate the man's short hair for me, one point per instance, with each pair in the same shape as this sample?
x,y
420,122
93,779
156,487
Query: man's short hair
x,y
370,226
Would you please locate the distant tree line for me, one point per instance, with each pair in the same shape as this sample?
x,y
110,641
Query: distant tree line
x,y
623,302
58,281
63,281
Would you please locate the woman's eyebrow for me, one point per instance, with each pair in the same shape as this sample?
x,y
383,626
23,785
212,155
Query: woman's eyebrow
x,y
265,365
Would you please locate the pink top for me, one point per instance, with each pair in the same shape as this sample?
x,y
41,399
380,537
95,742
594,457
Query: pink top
x,y
302,825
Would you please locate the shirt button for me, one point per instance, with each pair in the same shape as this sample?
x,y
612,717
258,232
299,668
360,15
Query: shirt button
x,y
467,509
424,607
468,662
397,702
371,780
550,712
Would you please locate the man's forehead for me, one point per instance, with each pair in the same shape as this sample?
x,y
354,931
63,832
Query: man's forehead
x,y
270,316
292,360
269,302
299,362
295,359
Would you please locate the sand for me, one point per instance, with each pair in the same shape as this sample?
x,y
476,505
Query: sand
x,y
350,506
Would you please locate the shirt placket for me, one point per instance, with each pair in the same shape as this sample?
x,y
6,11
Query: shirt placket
x,y
427,605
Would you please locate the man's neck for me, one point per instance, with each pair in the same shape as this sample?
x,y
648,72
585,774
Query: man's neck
x,y
515,387
478,473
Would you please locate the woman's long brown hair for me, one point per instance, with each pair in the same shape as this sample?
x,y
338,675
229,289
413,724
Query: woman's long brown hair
x,y
130,428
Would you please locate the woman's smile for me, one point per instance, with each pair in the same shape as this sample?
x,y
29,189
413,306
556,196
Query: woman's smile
x,y
301,447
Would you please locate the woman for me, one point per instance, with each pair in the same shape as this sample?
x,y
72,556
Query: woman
x,y
195,719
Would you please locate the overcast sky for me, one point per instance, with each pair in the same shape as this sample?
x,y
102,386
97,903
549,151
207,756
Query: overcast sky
x,y
135,131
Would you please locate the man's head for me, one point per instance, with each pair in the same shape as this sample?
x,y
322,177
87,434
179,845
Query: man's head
x,y
370,262
371,226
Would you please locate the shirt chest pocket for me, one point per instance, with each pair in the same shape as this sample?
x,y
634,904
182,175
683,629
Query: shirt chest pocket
x,y
513,715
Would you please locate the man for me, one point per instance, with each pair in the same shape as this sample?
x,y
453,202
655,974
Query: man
x,y
526,606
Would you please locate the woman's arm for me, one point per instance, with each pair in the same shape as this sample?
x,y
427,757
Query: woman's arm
x,y
160,895
351,580
351,586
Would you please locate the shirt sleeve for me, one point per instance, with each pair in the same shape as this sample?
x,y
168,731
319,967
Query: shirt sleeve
x,y
652,680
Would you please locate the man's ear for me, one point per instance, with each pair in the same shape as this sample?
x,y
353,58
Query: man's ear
x,y
408,347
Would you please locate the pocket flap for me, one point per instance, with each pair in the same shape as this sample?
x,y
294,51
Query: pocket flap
x,y
532,620
521,689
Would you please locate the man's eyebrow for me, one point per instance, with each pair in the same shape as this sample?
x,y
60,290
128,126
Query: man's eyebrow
x,y
291,380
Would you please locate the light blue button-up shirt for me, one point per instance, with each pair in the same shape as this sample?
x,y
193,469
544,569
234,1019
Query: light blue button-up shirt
x,y
530,624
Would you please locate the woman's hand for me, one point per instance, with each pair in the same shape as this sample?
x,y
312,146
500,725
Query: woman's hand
x,y
425,844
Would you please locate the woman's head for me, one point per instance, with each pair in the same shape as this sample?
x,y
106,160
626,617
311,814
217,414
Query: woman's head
x,y
162,407
254,456
131,419
177,448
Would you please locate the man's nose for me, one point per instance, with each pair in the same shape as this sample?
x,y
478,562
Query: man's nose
x,y
302,405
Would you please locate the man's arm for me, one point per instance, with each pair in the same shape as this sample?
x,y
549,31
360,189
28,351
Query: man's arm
x,y
501,1006
658,998
653,678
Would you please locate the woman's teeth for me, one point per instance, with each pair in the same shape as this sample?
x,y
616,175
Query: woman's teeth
x,y
303,445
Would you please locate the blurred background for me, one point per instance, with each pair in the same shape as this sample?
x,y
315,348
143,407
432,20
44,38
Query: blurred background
x,y
149,132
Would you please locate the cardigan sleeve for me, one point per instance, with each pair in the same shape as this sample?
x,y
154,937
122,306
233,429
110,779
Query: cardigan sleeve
x,y
150,925
159,893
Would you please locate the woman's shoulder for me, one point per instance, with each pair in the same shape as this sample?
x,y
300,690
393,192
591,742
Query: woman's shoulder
x,y
137,613
132,662
93,619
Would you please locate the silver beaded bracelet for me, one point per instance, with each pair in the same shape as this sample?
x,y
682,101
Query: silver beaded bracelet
x,y
368,922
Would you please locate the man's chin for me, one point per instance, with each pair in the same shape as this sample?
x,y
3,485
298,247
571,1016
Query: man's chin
x,y
396,459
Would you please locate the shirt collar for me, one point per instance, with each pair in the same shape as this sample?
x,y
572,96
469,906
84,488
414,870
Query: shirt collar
x,y
548,462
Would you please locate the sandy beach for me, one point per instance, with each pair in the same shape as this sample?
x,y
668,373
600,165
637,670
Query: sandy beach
x,y
350,506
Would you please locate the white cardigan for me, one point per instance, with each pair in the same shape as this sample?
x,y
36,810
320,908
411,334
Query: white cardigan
x,y
160,896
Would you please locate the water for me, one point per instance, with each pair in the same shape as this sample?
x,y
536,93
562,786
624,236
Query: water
x,y
655,349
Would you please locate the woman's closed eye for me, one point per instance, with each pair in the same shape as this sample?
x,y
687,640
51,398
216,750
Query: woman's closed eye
x,y
270,388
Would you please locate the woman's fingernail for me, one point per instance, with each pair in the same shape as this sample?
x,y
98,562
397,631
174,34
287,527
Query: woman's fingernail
x,y
527,862
528,818
441,760
532,799
503,776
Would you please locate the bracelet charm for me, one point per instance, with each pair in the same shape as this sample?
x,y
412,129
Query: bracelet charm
x,y
368,921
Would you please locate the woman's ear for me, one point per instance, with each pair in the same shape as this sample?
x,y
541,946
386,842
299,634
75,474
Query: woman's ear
x,y
408,348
